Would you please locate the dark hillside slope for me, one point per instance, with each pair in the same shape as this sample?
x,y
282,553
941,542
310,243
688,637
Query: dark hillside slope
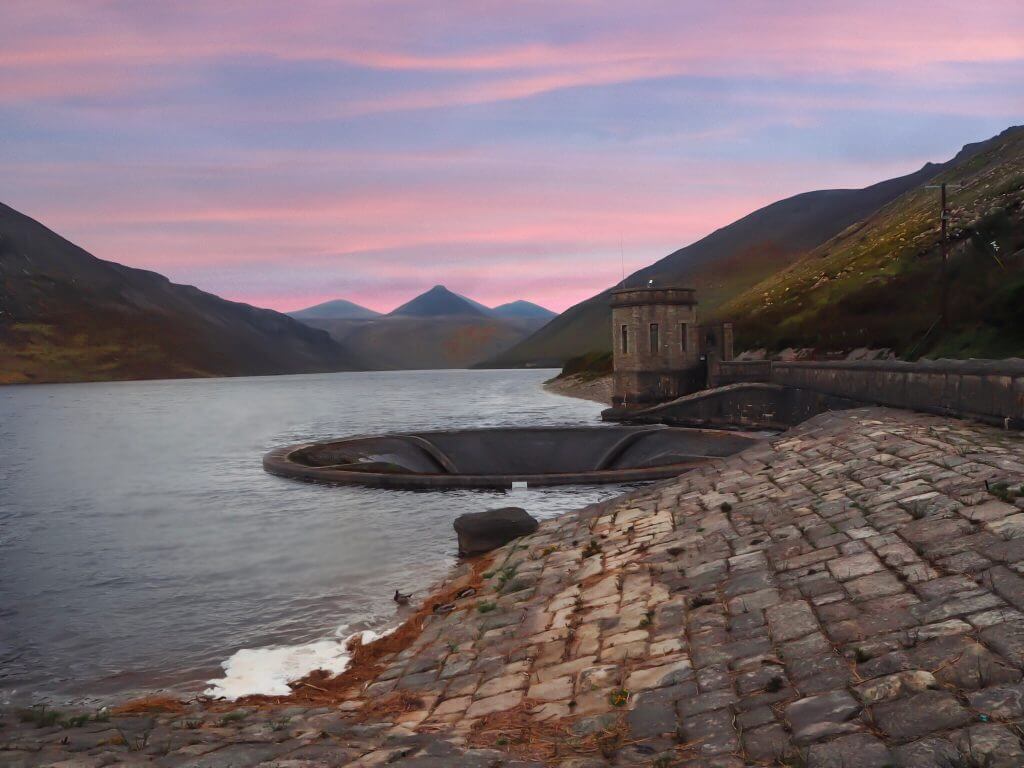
x,y
722,265
67,316
880,283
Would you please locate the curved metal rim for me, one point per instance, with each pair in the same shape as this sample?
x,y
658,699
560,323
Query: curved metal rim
x,y
278,462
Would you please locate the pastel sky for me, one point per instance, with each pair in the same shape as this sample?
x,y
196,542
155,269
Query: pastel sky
x,y
285,153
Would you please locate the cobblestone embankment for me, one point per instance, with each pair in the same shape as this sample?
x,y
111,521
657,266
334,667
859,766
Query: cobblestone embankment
x,y
846,595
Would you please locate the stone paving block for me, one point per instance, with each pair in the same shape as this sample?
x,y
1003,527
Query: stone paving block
x,y
919,715
989,511
654,714
498,703
714,730
660,676
930,751
896,685
1007,640
637,650
858,750
854,566
976,667
940,609
818,717
597,678
706,702
1006,584
760,677
502,684
873,586
668,646
989,745
814,644
559,689
1001,702
789,621
768,743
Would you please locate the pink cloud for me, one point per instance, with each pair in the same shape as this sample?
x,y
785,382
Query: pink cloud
x,y
499,220
612,44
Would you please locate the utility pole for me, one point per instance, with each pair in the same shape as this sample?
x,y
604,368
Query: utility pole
x,y
944,218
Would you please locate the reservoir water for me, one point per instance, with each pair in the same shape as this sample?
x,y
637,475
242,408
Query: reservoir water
x,y
142,546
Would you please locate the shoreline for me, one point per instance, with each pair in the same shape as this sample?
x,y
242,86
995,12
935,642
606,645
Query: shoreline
x,y
842,588
596,389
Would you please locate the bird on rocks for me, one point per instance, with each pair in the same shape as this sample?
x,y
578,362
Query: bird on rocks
x,y
402,598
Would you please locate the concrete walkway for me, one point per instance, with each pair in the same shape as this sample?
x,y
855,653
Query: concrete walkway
x,y
847,595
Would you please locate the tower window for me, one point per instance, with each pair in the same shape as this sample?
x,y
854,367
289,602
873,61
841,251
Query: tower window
x,y
655,345
682,337
625,340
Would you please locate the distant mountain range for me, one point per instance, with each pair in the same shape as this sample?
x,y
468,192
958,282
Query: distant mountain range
x,y
832,269
67,316
437,329
437,302
729,263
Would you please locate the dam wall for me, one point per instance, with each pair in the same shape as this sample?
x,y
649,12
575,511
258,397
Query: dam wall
x,y
988,390
771,394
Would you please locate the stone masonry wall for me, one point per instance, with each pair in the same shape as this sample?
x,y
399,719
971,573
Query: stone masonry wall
x,y
990,390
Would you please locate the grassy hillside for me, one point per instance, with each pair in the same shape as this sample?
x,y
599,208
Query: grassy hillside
x,y
720,266
880,282
67,316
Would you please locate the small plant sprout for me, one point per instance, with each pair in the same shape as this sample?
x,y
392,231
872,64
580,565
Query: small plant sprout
x,y
618,697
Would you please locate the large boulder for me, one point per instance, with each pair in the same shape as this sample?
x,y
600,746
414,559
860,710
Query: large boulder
x,y
481,532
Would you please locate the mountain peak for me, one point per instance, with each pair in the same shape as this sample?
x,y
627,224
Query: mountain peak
x,y
523,309
338,309
439,301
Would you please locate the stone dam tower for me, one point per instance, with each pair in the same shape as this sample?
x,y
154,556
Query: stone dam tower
x,y
659,350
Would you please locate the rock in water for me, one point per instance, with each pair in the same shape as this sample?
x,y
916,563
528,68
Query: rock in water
x,y
481,532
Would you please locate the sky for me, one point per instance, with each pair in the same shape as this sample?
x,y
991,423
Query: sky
x,y
287,153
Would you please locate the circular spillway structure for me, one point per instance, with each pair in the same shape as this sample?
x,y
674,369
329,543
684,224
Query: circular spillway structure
x,y
497,458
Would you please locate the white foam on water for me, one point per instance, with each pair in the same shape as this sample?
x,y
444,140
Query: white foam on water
x,y
267,671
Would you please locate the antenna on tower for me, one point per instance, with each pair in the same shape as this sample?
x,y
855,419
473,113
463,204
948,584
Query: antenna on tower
x,y
622,262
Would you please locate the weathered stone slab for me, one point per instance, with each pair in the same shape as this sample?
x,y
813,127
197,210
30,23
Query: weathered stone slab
x,y
659,677
854,566
858,750
499,703
919,715
817,717
789,621
990,745
930,751
1007,640
896,685
1001,702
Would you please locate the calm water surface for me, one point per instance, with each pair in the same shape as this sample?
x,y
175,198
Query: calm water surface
x,y
142,545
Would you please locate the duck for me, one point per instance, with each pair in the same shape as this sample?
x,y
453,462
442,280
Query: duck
x,y
402,598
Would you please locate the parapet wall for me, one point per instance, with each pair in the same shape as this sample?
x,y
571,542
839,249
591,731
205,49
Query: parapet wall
x,y
989,390
747,406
